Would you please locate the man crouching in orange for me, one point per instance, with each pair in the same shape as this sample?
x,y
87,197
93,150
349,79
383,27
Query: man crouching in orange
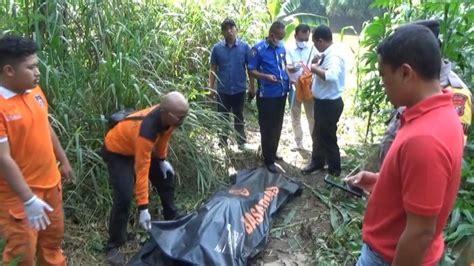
x,y
136,151
31,211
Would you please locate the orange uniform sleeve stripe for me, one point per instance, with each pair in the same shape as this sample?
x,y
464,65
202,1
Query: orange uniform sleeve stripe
x,y
3,126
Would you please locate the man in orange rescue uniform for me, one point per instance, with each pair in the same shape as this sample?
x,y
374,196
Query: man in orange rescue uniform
x,y
135,151
31,211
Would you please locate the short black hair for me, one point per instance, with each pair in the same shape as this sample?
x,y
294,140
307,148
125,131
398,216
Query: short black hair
x,y
277,25
414,45
14,49
433,25
302,28
322,32
227,23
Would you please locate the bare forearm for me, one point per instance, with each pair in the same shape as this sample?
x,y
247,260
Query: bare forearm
x,y
212,76
372,177
291,68
411,249
58,149
251,82
212,80
12,175
258,75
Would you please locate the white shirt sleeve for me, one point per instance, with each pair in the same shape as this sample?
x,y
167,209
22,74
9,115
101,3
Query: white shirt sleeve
x,y
3,139
290,59
334,67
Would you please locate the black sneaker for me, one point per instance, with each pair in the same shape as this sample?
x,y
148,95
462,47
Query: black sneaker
x,y
311,168
275,168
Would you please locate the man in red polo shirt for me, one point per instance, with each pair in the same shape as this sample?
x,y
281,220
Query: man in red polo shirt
x,y
413,194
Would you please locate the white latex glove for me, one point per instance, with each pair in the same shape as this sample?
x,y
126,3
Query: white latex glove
x,y
298,66
165,166
35,211
145,219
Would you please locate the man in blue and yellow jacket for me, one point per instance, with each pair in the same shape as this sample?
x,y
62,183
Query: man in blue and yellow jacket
x,y
268,64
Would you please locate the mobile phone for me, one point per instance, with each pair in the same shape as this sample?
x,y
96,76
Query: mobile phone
x,y
339,183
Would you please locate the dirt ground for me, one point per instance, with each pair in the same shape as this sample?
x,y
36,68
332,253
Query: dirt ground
x,y
302,218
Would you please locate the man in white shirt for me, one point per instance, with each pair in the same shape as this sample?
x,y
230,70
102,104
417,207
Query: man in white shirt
x,y
299,57
328,85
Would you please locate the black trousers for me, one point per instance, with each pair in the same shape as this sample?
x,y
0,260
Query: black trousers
x,y
122,180
233,104
325,148
270,120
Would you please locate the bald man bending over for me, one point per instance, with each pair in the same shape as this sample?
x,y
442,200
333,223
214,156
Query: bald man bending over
x,y
135,151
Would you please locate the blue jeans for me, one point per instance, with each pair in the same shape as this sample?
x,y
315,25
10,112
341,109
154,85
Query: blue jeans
x,y
369,257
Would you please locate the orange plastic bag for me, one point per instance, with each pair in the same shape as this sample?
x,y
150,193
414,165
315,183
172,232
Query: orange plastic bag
x,y
303,86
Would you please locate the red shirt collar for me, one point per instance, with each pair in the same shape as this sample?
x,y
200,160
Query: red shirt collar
x,y
426,105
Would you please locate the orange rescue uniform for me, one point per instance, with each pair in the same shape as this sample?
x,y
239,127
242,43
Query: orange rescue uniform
x,y
138,138
24,124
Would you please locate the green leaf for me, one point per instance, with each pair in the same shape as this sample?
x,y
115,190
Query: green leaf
x,y
455,216
290,28
465,229
289,7
289,217
468,216
274,7
334,218
375,29
462,231
307,18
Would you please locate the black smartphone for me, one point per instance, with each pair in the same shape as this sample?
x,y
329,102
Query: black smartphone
x,y
339,183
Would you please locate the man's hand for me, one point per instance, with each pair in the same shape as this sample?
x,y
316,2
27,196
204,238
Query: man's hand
x,y
364,179
212,94
293,68
272,78
316,59
65,167
314,67
251,94
67,172
145,219
166,167
35,211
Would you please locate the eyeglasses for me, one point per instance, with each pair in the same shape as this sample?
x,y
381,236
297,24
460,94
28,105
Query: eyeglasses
x,y
177,118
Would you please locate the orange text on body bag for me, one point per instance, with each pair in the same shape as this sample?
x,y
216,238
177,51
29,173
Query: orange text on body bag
x,y
304,82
